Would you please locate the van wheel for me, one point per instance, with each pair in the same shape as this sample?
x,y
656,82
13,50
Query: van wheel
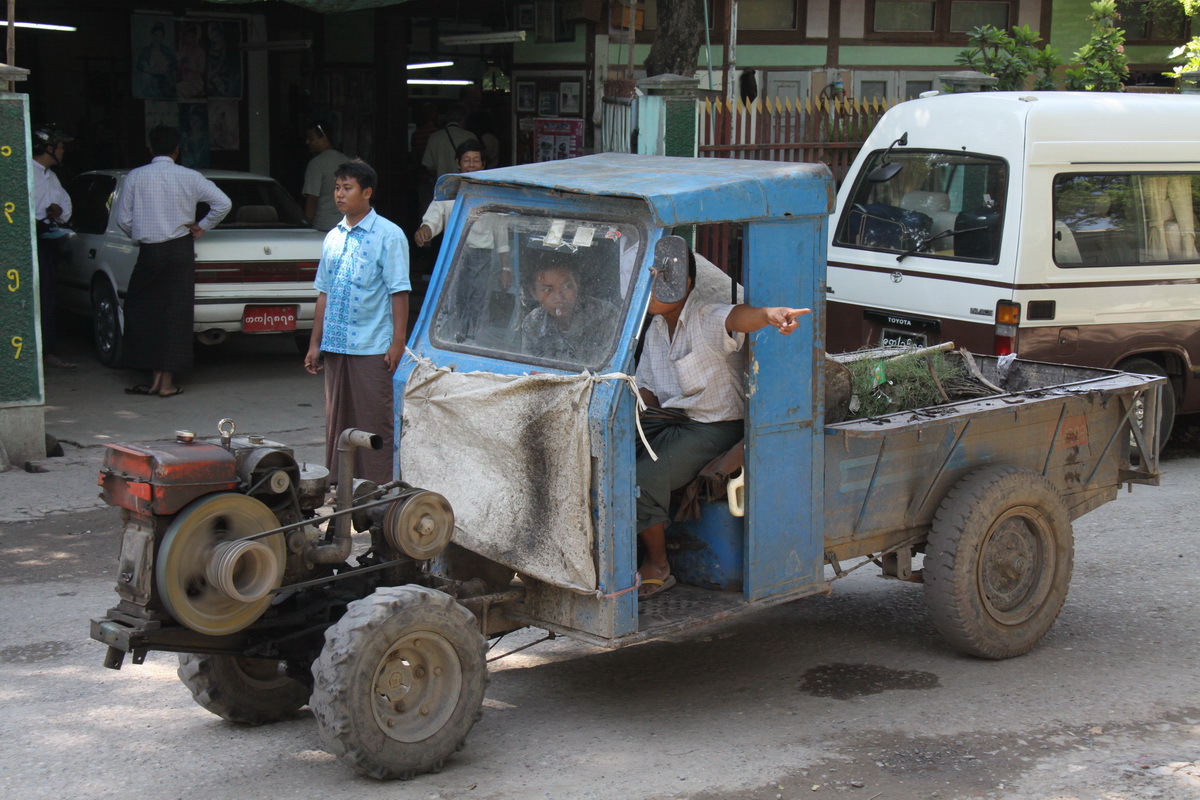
x,y
106,323
1144,366
998,562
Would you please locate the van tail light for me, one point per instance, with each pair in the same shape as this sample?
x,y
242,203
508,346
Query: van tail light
x,y
1008,319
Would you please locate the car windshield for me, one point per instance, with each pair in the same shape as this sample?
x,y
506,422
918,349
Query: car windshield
x,y
258,203
939,204
542,290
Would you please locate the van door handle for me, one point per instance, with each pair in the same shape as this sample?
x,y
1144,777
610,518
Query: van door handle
x,y
92,253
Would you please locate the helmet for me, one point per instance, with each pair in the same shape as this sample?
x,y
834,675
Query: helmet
x,y
45,137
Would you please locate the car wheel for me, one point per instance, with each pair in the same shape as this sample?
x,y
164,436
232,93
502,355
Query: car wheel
x,y
1144,366
106,323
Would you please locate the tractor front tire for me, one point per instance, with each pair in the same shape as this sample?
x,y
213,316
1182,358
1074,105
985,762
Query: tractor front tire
x,y
400,682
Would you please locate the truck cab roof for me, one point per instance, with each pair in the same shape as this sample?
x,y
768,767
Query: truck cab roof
x,y
679,191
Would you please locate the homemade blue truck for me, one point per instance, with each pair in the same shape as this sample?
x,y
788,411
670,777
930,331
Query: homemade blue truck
x,y
523,436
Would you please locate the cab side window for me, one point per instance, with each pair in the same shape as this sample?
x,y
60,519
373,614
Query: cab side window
x,y
1125,219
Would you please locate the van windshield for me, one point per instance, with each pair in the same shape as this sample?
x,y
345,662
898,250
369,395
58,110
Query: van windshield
x,y
939,204
541,290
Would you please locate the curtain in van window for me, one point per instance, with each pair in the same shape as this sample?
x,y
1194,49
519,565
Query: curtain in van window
x,y
1123,219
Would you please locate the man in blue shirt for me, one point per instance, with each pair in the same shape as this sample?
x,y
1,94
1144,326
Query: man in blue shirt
x,y
360,321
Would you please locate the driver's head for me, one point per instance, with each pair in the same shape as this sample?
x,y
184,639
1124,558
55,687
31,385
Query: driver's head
x,y
556,289
469,156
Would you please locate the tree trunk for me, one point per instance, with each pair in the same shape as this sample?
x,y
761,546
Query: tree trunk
x,y
680,33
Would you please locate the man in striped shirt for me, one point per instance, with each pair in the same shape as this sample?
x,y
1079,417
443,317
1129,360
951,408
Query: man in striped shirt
x,y
157,208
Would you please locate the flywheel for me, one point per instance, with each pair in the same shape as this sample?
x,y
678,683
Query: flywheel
x,y
210,576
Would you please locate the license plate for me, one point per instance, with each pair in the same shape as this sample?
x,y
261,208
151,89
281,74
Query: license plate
x,y
894,338
263,319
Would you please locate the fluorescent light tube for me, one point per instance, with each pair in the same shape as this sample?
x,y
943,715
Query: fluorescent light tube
x,y
497,37
40,26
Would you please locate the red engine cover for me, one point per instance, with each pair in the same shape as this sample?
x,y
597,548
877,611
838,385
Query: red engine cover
x,y
160,479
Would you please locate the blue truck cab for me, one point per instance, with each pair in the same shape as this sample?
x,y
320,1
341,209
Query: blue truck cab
x,y
482,333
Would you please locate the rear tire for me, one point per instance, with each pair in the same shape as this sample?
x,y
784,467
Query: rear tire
x,y
251,691
400,682
106,323
1144,366
998,562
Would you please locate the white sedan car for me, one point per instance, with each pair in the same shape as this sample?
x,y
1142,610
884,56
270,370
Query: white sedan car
x,y
254,271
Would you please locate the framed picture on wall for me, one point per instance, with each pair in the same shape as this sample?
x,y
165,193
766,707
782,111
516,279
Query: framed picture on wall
x,y
526,97
525,16
547,104
569,95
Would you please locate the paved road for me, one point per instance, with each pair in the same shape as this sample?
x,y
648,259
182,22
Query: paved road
x,y
852,695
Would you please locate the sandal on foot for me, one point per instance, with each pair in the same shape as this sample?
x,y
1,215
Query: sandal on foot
x,y
654,587
141,388
171,394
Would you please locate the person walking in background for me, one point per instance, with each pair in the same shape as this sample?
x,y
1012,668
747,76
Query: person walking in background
x,y
319,209
486,242
440,150
52,212
361,320
157,210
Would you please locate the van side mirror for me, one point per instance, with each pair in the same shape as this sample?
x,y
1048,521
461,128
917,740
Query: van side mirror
x,y
670,269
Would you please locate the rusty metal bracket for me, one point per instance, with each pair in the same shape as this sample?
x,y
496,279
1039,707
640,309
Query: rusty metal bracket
x,y
1062,416
919,500
1119,430
550,635
862,511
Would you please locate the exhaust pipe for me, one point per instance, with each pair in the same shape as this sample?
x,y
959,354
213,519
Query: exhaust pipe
x,y
338,550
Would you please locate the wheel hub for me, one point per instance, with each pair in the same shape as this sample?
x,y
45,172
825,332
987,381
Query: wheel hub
x,y
417,686
1015,564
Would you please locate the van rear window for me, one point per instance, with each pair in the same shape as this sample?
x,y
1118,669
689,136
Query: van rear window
x,y
1125,219
928,203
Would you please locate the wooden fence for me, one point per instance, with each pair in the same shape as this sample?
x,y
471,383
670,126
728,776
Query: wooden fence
x,y
813,131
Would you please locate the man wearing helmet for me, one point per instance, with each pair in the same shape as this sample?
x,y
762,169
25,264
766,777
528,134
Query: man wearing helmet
x,y
52,210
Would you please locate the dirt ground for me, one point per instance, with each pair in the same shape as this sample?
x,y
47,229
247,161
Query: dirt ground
x,y
851,695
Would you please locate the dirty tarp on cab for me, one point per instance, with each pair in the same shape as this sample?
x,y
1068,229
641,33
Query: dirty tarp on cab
x,y
512,455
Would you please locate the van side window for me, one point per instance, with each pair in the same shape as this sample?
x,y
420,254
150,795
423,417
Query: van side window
x,y
1125,219
938,205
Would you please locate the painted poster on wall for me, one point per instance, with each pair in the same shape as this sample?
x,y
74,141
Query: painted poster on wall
x,y
194,145
223,127
558,138
154,59
224,58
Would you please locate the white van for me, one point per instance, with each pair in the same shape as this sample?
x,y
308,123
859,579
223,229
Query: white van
x,y
1057,225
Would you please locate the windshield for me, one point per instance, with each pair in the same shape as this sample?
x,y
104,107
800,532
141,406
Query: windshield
x,y
939,204
541,290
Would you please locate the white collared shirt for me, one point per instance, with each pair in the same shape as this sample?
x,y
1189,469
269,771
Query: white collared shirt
x,y
158,202
699,370
48,190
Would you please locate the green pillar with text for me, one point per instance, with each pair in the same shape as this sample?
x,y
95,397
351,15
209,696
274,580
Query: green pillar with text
x,y
22,420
